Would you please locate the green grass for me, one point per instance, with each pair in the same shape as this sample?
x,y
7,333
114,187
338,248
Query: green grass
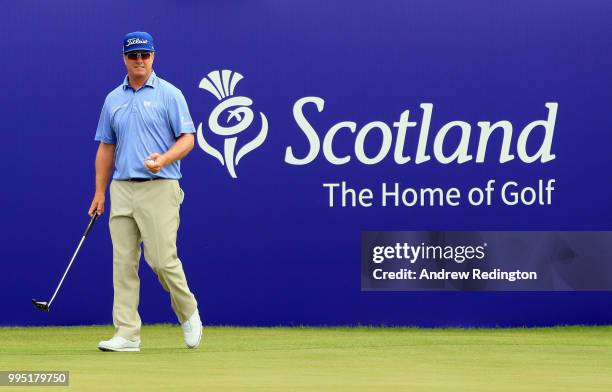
x,y
321,359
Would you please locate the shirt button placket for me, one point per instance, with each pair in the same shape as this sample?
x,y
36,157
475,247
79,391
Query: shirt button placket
x,y
133,103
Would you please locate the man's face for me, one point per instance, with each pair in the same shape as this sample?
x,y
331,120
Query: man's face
x,y
139,64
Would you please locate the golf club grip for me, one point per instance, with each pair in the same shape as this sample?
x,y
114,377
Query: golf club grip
x,y
91,222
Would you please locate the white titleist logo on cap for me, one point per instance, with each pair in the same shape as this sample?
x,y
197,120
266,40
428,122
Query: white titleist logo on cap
x,y
133,41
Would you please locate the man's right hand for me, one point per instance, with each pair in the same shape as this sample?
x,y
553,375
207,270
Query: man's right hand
x,y
97,204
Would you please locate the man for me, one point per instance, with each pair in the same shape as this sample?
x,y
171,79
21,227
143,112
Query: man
x,y
144,130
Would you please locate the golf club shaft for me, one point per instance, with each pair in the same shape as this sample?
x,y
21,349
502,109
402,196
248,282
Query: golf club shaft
x,y
93,218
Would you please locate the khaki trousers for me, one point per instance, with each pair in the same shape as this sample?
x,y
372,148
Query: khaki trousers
x,y
147,213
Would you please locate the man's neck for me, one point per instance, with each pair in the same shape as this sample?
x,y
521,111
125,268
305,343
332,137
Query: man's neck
x,y
137,83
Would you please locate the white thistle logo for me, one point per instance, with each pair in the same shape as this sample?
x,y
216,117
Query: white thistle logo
x,y
221,84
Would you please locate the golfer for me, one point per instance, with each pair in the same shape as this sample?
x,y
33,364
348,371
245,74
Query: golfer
x,y
144,130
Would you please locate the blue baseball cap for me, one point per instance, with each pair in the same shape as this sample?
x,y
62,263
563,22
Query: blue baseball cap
x,y
138,40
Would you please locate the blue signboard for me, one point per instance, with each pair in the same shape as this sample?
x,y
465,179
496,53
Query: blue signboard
x,y
316,122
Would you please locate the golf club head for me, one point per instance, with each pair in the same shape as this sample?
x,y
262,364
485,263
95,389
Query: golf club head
x,y
41,305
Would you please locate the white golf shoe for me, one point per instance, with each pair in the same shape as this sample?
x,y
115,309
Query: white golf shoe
x,y
192,330
117,343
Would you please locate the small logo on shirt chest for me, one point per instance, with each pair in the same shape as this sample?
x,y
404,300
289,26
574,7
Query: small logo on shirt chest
x,y
149,104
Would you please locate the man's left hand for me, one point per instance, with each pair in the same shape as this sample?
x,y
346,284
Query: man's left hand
x,y
155,162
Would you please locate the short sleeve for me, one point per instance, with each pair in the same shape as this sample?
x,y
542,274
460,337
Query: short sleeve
x,y
178,113
104,132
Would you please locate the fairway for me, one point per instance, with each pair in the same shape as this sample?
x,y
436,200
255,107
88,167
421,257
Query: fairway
x,y
321,359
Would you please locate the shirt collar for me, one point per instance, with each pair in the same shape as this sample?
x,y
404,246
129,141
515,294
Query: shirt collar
x,y
151,82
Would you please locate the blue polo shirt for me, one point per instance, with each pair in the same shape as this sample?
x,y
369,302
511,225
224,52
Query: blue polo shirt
x,y
141,122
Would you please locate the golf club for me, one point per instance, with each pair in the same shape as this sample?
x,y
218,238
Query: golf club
x,y
45,306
